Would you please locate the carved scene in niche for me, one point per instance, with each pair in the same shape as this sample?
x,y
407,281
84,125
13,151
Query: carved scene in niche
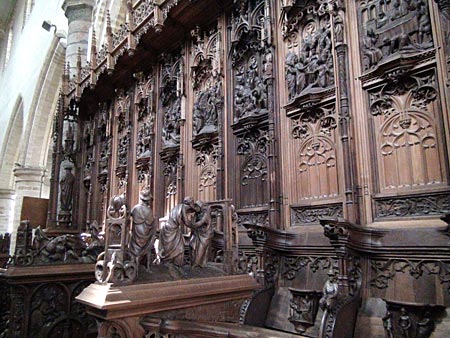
x,y
207,82
390,28
170,99
316,164
253,178
104,142
407,133
251,61
123,138
145,126
309,57
88,142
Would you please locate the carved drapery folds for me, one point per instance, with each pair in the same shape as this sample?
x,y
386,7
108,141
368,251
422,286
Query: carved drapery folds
x,y
309,59
144,108
407,132
390,29
251,58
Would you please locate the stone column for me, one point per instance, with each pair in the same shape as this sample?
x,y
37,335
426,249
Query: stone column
x,y
79,15
6,212
29,181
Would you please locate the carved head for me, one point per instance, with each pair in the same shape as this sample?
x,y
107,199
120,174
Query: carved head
x,y
189,201
145,195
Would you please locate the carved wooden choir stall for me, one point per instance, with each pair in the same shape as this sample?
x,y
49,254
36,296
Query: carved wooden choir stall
x,y
260,168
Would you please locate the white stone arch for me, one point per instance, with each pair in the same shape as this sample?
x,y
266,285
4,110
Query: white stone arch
x,y
11,145
9,155
40,119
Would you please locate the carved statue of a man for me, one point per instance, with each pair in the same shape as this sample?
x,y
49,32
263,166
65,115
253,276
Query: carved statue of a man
x,y
202,234
143,230
66,189
171,242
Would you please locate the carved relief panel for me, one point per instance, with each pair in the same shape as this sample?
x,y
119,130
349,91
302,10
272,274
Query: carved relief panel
x,y
309,65
122,127
251,55
170,100
312,151
251,58
389,29
207,111
144,119
170,115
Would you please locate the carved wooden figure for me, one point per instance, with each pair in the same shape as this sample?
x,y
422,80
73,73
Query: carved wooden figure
x,y
142,229
171,241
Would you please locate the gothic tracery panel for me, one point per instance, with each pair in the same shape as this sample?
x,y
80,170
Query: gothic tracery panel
x,y
317,156
407,133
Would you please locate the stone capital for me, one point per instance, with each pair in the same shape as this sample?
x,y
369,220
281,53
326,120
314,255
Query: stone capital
x,y
78,9
29,174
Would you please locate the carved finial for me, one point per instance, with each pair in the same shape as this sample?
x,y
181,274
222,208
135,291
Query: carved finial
x,y
79,55
108,19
